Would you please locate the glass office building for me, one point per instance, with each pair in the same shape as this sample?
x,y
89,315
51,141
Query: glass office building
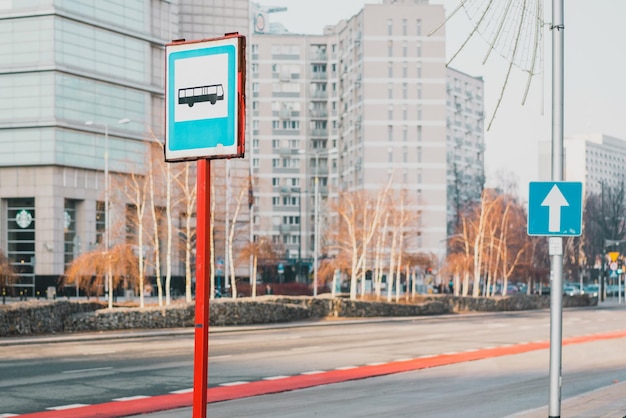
x,y
79,78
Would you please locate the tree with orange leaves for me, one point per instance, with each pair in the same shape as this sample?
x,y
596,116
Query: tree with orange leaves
x,y
89,270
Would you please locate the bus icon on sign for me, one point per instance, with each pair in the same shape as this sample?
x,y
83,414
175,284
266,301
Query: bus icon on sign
x,y
191,95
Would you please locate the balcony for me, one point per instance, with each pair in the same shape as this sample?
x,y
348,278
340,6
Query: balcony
x,y
319,94
319,56
319,76
319,132
318,113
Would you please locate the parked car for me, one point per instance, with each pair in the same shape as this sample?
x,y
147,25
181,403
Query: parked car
x,y
571,290
592,290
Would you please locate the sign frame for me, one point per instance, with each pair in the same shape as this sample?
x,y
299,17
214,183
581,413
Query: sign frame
x,y
555,201
205,98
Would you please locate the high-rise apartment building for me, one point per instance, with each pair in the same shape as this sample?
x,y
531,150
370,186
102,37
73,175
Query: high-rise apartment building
x,y
369,100
593,159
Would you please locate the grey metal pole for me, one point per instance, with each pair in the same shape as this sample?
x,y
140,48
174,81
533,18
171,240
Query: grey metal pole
x,y
107,218
556,243
316,234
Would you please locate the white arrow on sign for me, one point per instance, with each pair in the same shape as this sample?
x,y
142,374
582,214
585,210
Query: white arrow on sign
x,y
554,201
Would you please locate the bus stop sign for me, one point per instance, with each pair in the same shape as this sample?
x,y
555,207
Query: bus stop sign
x,y
204,98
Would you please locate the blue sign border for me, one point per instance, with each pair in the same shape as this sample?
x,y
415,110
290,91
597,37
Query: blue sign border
x,y
571,216
203,133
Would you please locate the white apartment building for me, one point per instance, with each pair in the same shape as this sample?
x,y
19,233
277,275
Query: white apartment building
x,y
369,99
593,159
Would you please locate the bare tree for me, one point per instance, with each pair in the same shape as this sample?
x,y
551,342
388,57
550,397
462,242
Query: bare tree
x,y
187,186
358,219
155,169
231,236
7,272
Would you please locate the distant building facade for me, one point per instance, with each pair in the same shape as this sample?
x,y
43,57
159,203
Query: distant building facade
x,y
369,99
83,90
593,159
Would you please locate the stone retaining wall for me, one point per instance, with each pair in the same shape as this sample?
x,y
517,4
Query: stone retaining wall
x,y
36,317
64,316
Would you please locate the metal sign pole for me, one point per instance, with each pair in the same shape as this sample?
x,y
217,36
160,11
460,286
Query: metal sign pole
x,y
203,258
556,243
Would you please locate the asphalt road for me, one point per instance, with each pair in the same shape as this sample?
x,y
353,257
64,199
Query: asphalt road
x,y
50,374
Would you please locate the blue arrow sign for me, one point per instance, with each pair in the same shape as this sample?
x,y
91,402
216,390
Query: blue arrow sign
x,y
555,208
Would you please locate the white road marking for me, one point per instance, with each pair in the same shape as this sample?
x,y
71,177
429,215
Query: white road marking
x,y
275,377
220,357
345,368
313,372
233,383
98,352
400,360
97,369
63,407
7,415
178,392
305,348
131,398
376,364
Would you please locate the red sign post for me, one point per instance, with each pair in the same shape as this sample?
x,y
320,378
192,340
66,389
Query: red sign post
x,y
205,120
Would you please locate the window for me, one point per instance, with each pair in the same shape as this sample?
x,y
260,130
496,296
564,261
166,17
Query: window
x,y
100,222
69,228
389,27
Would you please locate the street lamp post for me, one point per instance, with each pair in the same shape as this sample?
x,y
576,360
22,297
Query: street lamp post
x,y
299,262
107,221
316,225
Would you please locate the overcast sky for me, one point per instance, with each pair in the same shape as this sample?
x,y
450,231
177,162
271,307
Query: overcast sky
x,y
595,84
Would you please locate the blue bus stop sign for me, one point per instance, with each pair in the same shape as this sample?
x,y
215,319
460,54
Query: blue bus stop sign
x,y
204,105
555,208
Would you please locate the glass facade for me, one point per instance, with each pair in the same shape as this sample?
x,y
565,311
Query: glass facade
x,y
21,241
71,245
81,46
63,63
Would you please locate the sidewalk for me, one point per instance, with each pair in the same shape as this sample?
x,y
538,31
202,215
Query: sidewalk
x,y
607,402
